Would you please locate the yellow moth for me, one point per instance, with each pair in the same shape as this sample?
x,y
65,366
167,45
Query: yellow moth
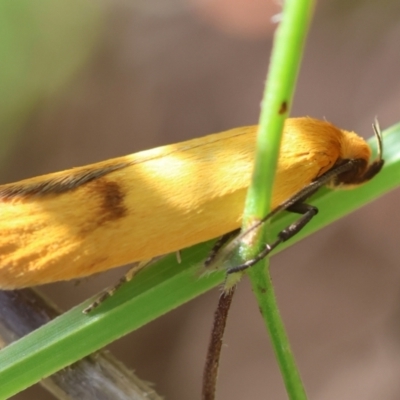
x,y
89,219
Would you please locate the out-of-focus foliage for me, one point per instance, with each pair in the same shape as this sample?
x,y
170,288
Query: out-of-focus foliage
x,y
42,44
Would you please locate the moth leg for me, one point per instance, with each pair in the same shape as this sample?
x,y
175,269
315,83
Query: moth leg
x,y
307,211
137,266
218,245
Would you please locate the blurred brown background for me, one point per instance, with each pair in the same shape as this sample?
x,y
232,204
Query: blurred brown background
x,y
156,72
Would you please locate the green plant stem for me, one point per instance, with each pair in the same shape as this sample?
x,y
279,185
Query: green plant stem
x,y
277,99
276,103
266,299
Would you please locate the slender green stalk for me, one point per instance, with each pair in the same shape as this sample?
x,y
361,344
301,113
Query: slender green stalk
x,y
265,295
277,99
276,103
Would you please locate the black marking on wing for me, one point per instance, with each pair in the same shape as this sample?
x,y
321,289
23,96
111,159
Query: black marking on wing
x,y
56,185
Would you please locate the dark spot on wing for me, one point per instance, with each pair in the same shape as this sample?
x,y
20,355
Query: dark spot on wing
x,y
108,197
56,185
112,200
